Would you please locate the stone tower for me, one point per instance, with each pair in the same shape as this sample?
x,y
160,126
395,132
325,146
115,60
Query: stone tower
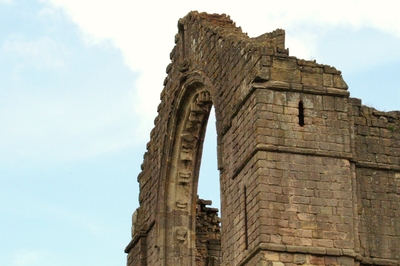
x,y
308,175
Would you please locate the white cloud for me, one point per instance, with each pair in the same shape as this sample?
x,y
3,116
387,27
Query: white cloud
x,y
40,53
144,32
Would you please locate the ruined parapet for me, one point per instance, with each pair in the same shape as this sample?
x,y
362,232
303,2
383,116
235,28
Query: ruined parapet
x,y
208,234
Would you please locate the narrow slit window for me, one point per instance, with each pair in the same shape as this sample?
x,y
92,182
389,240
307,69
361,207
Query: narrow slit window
x,y
246,236
301,114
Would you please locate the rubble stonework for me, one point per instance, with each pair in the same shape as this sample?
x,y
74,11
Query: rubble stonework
x,y
309,176
208,234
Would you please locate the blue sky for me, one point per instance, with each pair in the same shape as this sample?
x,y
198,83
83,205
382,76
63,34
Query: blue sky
x,y
79,87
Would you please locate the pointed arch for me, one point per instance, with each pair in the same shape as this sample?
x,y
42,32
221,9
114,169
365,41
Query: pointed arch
x,y
177,190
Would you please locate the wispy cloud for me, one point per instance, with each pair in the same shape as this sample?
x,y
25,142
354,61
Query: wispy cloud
x,y
41,53
136,30
66,127
70,125
30,257
53,107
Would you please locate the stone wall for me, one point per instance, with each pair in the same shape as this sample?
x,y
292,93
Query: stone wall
x,y
377,139
309,176
208,234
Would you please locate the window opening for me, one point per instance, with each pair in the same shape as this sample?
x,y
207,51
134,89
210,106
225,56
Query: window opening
x,y
301,114
245,219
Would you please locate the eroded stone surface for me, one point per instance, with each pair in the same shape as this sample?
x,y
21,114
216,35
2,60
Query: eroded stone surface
x,y
309,176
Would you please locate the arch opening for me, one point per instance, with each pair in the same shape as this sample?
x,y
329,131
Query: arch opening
x,y
208,185
208,222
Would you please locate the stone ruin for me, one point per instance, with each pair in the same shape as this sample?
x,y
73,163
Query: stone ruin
x,y
208,234
309,175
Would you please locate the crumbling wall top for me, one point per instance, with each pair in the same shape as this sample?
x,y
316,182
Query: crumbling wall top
x,y
222,25
218,22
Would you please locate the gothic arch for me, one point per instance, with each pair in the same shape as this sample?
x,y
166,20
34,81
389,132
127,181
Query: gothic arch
x,y
178,187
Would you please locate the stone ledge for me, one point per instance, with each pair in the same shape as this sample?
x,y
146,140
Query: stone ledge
x,y
378,166
286,86
134,241
377,261
317,251
309,250
140,234
291,150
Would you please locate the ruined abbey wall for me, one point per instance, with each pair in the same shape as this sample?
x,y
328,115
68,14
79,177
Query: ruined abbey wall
x,y
309,176
377,141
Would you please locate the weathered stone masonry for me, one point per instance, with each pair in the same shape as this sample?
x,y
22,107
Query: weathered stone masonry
x,y
309,176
